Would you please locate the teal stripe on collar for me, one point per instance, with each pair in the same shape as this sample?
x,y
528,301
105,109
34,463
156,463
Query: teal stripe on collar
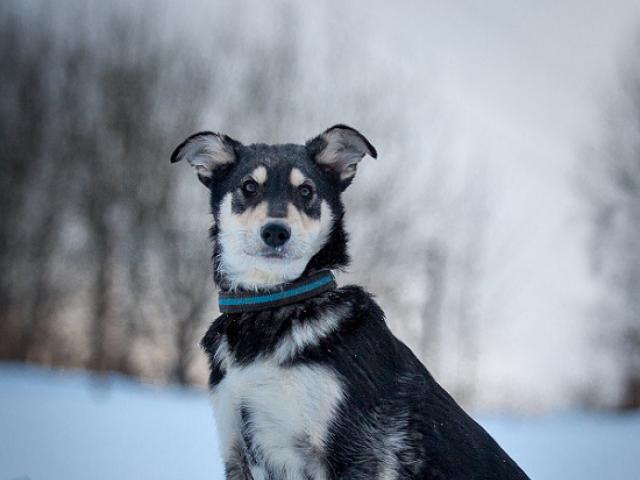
x,y
286,294
274,297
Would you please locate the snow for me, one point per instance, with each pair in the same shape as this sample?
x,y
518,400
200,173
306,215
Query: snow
x,y
72,425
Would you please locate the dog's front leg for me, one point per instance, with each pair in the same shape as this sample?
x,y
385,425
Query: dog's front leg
x,y
236,467
237,471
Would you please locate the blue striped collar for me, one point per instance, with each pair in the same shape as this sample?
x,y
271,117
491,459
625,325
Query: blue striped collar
x,y
285,294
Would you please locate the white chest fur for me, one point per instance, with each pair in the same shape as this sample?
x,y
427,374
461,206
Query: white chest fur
x,y
289,409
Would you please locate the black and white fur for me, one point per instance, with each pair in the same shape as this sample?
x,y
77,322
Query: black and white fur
x,y
320,389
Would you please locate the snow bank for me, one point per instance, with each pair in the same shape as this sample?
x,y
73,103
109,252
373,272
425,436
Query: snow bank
x,y
71,425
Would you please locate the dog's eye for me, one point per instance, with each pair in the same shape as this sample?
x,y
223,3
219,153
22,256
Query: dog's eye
x,y
250,188
305,191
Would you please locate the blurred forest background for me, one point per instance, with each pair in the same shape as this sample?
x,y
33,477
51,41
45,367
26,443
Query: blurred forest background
x,y
103,244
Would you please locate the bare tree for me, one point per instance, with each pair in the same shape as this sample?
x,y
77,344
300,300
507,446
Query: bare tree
x,y
30,187
611,181
87,126
475,218
432,312
188,288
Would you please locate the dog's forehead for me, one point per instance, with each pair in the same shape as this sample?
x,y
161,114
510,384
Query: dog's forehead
x,y
276,159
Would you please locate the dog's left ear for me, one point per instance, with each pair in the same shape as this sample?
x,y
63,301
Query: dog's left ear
x,y
339,149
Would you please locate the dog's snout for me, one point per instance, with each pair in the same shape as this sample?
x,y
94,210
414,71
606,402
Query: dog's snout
x,y
275,234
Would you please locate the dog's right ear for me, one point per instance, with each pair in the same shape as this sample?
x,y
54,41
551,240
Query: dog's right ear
x,y
207,152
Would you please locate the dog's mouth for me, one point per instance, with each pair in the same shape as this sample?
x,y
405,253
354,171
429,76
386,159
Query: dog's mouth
x,y
272,254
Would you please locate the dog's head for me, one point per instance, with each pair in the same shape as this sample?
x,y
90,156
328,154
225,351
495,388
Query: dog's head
x,y
277,208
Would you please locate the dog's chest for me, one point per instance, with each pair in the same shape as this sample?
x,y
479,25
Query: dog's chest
x,y
278,417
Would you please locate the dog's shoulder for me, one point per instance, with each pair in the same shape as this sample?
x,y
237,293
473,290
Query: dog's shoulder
x,y
213,336
214,345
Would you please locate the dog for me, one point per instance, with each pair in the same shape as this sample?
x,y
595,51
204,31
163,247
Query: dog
x,y
307,382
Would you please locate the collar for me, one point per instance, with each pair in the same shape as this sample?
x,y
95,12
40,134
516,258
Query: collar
x,y
285,294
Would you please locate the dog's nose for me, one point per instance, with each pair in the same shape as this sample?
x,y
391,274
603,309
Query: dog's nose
x,y
275,234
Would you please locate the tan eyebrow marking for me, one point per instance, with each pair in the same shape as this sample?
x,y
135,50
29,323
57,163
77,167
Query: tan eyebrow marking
x,y
260,174
296,177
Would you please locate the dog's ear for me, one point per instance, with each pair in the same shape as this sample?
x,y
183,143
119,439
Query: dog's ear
x,y
339,149
208,153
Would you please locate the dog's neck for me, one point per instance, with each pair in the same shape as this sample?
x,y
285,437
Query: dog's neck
x,y
307,287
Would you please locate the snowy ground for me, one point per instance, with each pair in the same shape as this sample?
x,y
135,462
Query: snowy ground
x,y
70,426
